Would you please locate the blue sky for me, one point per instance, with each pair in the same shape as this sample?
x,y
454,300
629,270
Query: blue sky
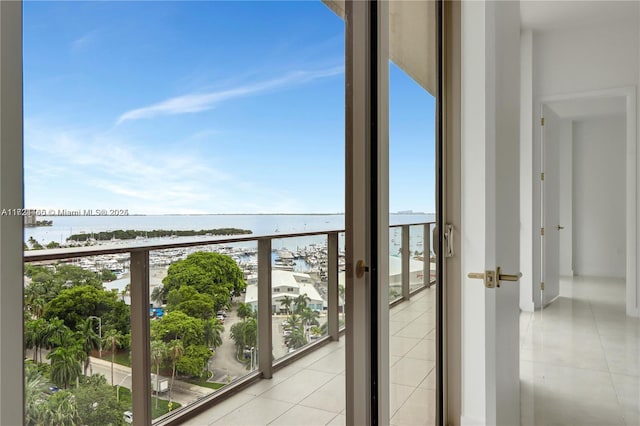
x,y
202,107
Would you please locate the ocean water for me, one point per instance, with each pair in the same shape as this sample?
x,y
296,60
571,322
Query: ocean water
x,y
261,224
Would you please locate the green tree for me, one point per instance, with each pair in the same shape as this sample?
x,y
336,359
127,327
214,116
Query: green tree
x,y
65,367
245,310
300,303
194,360
245,334
53,245
107,275
97,403
34,395
209,273
157,295
73,305
295,339
176,351
212,330
286,301
89,340
178,325
60,410
113,339
309,318
158,355
188,300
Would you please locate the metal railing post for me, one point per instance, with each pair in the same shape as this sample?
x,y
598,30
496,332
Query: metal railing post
x,y
406,255
265,341
140,338
333,293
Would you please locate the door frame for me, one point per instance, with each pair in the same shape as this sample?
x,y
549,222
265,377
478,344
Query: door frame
x,y
629,94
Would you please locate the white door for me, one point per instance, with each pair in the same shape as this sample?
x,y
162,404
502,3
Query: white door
x,y
490,79
551,136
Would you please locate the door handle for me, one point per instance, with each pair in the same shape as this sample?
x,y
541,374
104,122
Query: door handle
x,y
489,277
560,227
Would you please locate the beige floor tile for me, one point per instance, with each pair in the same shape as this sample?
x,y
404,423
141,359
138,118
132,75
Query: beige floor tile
x,y
219,410
417,410
329,397
257,412
333,362
628,391
398,396
299,386
399,346
552,395
306,416
339,420
424,349
410,371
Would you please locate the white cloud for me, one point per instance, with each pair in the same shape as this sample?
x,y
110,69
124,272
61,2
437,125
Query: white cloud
x,y
203,101
80,170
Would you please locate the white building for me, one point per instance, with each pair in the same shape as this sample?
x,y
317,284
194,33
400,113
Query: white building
x,y
286,283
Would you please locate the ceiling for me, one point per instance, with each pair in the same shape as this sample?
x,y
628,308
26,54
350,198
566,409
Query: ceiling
x,y
581,109
544,15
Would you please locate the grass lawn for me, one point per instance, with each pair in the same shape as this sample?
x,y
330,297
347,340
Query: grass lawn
x,y
163,408
201,381
122,358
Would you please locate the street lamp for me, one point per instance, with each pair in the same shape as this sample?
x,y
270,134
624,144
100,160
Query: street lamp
x,y
99,334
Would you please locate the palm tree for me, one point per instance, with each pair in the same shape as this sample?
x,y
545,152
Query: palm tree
x,y
309,317
286,301
213,330
157,295
301,303
176,350
126,291
296,339
64,365
158,354
54,332
251,332
244,310
113,339
89,340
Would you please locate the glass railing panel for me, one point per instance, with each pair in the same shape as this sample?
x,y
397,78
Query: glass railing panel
x,y
299,293
77,340
417,258
395,263
204,326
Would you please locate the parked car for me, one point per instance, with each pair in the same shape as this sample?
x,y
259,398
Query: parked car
x,y
128,417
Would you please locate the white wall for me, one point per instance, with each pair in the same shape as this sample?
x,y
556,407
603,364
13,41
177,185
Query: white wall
x,y
527,173
599,175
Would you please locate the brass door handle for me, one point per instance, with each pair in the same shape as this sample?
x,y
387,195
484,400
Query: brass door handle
x,y
489,277
560,227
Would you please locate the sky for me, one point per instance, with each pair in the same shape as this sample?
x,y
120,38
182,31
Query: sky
x,y
202,107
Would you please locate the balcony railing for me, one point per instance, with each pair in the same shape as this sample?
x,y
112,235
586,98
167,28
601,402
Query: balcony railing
x,y
139,255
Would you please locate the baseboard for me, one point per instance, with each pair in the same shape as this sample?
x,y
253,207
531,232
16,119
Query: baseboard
x,y
551,301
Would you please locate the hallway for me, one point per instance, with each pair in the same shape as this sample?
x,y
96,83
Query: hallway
x,y
580,357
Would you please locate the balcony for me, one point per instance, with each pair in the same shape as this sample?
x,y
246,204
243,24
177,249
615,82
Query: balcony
x,y
279,382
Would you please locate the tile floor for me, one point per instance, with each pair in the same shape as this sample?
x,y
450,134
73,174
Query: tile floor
x,y
579,359
311,391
